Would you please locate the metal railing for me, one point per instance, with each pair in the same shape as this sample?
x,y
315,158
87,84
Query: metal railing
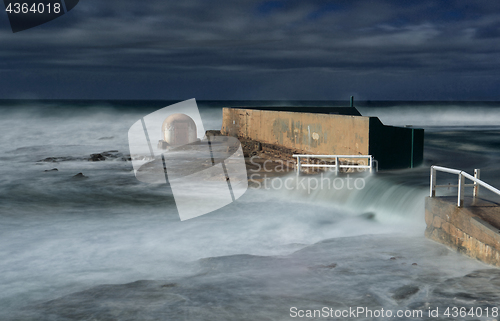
x,y
461,183
337,165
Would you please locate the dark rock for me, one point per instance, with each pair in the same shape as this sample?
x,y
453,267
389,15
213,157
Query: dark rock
x,y
415,264
51,170
57,159
405,292
392,258
106,138
329,266
210,133
368,216
80,175
108,155
169,285
96,157
323,266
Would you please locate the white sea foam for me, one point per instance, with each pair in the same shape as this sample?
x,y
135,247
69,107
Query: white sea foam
x,y
435,115
60,235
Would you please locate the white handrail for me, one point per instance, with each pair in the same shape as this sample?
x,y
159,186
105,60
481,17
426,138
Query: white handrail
x,y
337,163
461,182
332,156
480,182
447,170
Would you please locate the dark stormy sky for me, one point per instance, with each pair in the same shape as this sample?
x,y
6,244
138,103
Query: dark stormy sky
x,y
240,49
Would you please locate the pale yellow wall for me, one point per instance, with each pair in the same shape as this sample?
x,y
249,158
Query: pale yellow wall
x,y
304,132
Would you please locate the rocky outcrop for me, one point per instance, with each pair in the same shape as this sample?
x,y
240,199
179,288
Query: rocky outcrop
x,y
98,157
58,159
228,288
109,155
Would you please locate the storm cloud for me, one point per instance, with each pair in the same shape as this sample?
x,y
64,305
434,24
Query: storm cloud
x,y
282,49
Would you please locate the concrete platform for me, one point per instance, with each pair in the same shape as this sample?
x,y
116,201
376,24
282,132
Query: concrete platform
x,y
473,229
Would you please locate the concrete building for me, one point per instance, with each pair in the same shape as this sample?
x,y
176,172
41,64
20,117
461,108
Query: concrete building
x,y
327,131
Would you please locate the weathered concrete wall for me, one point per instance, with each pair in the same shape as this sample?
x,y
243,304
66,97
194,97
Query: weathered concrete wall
x,y
304,132
471,230
349,111
316,133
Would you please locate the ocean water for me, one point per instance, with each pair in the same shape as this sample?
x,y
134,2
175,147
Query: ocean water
x,y
108,247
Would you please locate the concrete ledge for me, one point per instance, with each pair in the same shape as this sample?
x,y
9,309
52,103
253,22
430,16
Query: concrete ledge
x,y
472,230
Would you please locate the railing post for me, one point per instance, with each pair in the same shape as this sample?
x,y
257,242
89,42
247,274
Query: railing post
x,y
433,182
337,166
461,181
298,165
371,164
477,174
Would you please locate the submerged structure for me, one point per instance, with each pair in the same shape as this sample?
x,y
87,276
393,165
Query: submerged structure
x,y
327,131
177,129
